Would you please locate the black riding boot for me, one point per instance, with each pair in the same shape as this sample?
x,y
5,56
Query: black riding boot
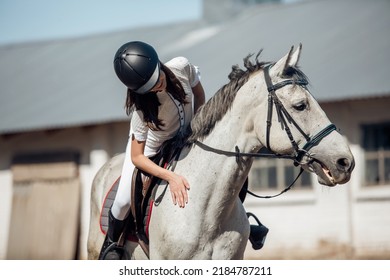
x,y
110,249
258,233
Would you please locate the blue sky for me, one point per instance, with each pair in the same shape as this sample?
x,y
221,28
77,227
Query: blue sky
x,y
34,20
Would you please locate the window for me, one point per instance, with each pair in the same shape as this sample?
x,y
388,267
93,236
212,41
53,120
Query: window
x,y
376,144
276,175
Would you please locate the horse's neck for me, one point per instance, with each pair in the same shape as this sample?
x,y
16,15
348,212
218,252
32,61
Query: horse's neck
x,y
224,174
237,127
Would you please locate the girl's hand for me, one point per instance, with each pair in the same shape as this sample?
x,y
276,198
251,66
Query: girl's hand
x,y
179,186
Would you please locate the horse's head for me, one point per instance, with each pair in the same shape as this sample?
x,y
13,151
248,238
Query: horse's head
x,y
297,124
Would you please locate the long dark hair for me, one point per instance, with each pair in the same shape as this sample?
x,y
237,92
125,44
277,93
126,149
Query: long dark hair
x,y
148,103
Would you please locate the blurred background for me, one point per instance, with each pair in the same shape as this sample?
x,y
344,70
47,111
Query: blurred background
x,y
62,113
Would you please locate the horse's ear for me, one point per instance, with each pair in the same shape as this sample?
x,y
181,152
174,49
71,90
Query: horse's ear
x,y
294,58
289,60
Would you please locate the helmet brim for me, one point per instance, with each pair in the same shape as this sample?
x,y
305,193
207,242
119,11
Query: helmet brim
x,y
151,82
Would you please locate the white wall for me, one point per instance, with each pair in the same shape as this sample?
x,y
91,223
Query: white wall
x,y
96,145
5,209
304,223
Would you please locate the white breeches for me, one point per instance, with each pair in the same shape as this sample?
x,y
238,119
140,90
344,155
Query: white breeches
x,y
121,206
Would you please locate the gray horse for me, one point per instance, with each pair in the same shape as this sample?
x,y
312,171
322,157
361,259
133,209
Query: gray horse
x,y
214,224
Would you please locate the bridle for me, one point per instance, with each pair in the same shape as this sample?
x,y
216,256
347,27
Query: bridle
x,y
284,118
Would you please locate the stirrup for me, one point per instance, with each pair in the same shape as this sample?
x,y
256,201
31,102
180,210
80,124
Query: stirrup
x,y
112,252
258,233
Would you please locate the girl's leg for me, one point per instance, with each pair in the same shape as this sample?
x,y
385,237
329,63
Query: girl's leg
x,y
121,205
119,211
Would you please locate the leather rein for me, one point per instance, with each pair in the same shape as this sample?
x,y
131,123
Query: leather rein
x,y
284,118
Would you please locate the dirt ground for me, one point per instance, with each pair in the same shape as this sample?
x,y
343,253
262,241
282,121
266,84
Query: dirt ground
x,y
324,251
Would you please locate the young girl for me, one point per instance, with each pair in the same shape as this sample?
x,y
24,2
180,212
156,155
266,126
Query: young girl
x,y
162,99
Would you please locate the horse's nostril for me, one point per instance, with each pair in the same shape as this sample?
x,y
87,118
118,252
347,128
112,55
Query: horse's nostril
x,y
343,164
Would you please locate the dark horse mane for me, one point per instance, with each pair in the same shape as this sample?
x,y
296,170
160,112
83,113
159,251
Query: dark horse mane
x,y
213,111
210,113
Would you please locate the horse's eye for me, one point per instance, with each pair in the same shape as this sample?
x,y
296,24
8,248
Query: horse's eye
x,y
300,107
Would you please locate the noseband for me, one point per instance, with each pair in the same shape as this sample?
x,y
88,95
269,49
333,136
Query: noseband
x,y
284,118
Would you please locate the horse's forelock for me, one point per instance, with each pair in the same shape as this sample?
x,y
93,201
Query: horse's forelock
x,y
213,111
296,74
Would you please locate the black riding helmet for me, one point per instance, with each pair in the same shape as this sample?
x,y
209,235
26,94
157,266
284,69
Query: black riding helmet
x,y
137,65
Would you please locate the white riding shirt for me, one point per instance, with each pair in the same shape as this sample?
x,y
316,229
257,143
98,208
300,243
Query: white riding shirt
x,y
174,115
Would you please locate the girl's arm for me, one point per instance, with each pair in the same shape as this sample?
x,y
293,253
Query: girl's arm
x,y
199,96
177,184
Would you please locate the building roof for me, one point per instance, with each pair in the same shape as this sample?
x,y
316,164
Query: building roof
x,y
63,83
